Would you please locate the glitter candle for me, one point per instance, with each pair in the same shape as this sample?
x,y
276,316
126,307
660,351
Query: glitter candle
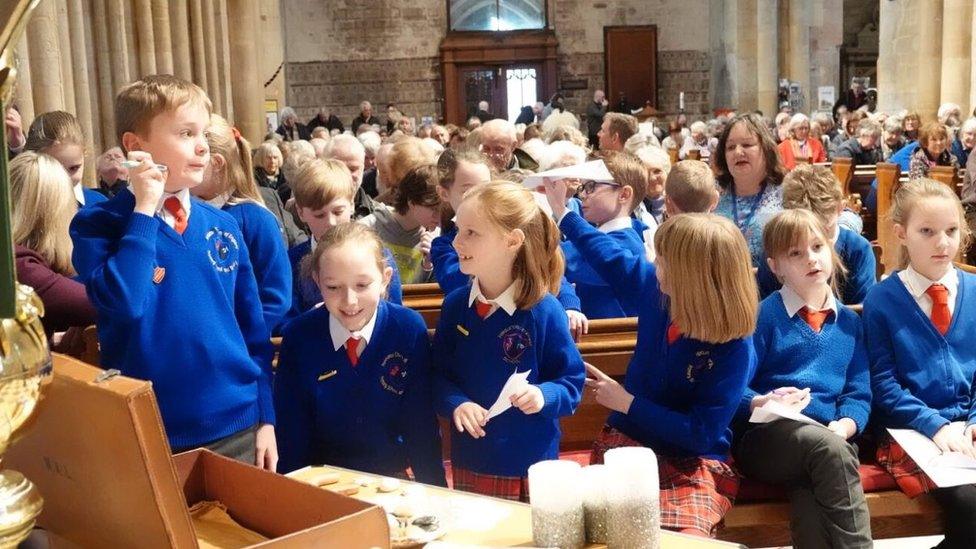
x,y
557,504
633,499
595,503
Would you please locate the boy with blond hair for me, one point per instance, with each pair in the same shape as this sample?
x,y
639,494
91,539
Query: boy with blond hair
x,y
815,188
690,188
324,192
170,277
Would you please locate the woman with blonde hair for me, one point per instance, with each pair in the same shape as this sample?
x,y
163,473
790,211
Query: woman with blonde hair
x,y
43,206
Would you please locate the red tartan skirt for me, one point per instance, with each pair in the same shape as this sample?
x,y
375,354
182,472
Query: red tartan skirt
x,y
513,488
696,493
909,476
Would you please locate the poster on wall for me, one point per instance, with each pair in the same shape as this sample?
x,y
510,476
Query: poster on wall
x,y
826,97
271,114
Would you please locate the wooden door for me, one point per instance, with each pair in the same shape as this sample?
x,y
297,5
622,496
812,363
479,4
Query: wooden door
x,y
483,83
630,65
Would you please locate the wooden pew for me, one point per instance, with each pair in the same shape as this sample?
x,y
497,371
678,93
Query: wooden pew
x,y
426,299
693,154
673,156
888,183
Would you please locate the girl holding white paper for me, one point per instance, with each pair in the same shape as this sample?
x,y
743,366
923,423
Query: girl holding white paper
x,y
919,324
805,338
505,321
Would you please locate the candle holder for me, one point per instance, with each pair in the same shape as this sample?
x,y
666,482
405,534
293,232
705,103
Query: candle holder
x,y
633,499
557,504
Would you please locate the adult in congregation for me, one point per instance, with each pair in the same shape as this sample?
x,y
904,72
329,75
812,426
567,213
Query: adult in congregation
x,y
968,196
962,145
290,128
267,169
350,151
799,146
933,150
365,117
615,130
498,139
698,141
894,137
325,118
750,173
595,112
863,147
483,114
112,175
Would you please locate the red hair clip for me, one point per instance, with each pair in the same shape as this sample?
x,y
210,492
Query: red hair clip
x,y
237,133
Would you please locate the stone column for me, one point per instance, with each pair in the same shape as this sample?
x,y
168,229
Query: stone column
x,y
972,73
957,28
272,51
745,55
767,62
82,89
45,54
106,80
223,59
180,26
121,71
67,67
928,77
163,41
210,45
145,36
198,49
23,92
94,101
247,86
800,48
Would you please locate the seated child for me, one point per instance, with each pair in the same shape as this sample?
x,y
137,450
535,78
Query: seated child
x,y
58,134
172,281
690,188
353,384
815,188
811,357
323,192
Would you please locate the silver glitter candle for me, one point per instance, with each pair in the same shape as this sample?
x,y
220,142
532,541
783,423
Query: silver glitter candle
x,y
557,504
595,503
633,499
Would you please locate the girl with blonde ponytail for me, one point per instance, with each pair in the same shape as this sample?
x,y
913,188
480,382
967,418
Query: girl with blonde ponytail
x,y
505,322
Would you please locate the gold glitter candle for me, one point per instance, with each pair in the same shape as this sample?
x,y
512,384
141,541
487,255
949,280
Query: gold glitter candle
x,y
557,504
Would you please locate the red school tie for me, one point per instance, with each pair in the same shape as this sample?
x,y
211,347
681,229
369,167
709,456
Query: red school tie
x,y
940,307
175,208
673,333
815,319
482,308
352,345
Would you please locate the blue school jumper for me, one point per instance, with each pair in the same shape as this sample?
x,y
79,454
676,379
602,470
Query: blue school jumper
x,y
376,416
686,393
921,379
832,363
182,311
306,294
597,297
447,271
268,258
92,197
855,253
473,357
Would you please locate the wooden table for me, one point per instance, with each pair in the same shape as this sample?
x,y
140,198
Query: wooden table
x,y
513,527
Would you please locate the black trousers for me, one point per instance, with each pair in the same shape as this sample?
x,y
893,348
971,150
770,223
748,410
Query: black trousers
x,y
958,505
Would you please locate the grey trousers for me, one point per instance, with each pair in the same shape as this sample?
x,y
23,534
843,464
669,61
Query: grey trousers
x,y
238,446
819,470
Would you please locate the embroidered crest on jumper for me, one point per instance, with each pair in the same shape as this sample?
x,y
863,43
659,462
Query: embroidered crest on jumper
x,y
702,363
515,340
222,250
394,377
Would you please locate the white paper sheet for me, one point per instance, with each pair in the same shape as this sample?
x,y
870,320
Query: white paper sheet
x,y
772,410
513,384
951,469
595,170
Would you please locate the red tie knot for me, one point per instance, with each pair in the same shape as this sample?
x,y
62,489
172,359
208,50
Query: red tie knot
x,y
175,208
352,350
815,319
938,293
482,308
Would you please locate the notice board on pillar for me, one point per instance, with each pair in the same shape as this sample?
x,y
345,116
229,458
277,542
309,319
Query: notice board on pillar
x,y
630,66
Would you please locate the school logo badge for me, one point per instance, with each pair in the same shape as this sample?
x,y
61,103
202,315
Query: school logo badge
x,y
222,250
394,377
702,363
515,340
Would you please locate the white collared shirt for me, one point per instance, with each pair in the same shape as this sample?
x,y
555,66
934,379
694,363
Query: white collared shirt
x,y
917,284
340,334
79,193
163,213
616,224
506,300
793,302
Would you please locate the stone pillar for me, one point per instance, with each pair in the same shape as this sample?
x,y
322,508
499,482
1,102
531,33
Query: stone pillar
x,y
210,45
799,70
118,47
972,73
223,59
94,100
180,25
145,36
67,67
45,53
745,53
272,51
198,47
247,88
106,79
82,88
927,78
23,92
767,62
163,41
957,28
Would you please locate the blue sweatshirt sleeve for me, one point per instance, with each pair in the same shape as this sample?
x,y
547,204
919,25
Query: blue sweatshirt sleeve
x,y
705,421
855,401
417,418
567,296
861,271
447,395
117,272
626,273
902,407
269,259
247,309
294,408
394,292
562,372
447,268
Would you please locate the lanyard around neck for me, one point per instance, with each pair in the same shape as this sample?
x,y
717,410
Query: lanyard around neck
x,y
752,212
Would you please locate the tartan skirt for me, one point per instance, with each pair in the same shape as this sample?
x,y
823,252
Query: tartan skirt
x,y
696,493
512,488
908,475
